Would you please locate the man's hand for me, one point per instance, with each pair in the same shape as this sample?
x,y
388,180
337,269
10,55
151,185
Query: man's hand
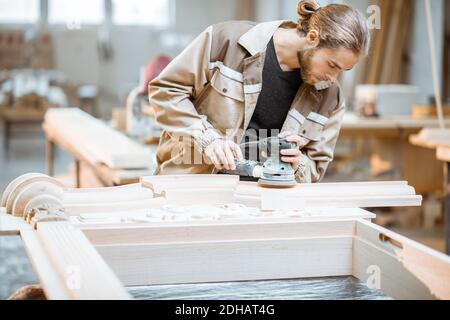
x,y
291,156
223,154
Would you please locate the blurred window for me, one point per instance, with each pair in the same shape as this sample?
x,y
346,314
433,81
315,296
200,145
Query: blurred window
x,y
141,12
19,11
75,13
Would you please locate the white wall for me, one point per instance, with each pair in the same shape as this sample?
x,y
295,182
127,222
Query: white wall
x,y
76,52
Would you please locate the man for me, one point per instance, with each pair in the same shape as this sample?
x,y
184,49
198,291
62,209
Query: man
x,y
241,79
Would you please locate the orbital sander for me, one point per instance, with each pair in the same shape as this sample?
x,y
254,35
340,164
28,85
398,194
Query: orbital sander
x,y
273,172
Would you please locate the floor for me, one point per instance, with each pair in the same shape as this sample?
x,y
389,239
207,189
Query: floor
x,y
27,154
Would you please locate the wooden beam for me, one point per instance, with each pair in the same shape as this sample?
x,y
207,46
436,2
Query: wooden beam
x,y
11,226
272,200
409,269
346,195
431,138
68,265
195,215
393,279
78,209
53,286
94,140
217,261
443,154
160,184
215,231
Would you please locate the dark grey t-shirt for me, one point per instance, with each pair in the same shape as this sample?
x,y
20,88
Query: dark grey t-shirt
x,y
279,89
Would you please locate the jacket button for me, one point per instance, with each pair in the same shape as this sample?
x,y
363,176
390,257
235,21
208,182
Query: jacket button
x,y
304,131
224,90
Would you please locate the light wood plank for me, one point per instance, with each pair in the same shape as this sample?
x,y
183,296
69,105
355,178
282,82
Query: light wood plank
x,y
428,266
229,260
443,154
394,280
431,138
272,200
105,195
79,266
159,184
95,140
78,209
11,226
287,229
54,287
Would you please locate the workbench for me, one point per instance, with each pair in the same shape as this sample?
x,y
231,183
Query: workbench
x,y
194,229
75,141
17,116
439,142
390,149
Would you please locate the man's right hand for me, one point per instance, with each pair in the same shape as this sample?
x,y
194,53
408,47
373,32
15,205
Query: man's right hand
x,y
223,154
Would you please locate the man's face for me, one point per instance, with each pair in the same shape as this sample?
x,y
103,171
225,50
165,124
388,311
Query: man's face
x,y
325,64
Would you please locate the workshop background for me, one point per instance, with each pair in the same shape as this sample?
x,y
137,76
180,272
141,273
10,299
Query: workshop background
x,y
94,54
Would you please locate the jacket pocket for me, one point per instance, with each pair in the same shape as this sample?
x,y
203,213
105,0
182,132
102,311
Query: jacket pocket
x,y
311,130
228,87
223,102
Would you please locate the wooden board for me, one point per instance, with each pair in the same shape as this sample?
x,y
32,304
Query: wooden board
x,y
424,111
192,254
187,252
217,231
443,154
337,195
431,138
76,269
409,269
354,122
159,184
95,140
11,226
240,260
53,286
187,189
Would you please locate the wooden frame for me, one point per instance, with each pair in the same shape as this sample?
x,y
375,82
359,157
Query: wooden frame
x,y
132,247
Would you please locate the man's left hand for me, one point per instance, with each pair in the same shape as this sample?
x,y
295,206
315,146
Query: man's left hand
x,y
291,156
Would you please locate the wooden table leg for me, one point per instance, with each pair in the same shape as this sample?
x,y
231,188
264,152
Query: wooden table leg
x,y
50,157
77,173
6,137
447,205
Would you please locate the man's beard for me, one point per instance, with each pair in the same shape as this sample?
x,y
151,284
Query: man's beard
x,y
304,59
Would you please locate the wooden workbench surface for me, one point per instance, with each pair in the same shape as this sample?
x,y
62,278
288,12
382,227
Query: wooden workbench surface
x,y
352,121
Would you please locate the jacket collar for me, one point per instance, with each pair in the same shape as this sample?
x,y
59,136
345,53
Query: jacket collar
x,y
256,39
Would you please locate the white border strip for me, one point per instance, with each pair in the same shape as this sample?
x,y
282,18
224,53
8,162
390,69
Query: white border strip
x,y
252,88
317,118
227,72
297,116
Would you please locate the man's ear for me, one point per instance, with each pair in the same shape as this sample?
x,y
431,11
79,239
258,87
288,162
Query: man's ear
x,y
313,38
